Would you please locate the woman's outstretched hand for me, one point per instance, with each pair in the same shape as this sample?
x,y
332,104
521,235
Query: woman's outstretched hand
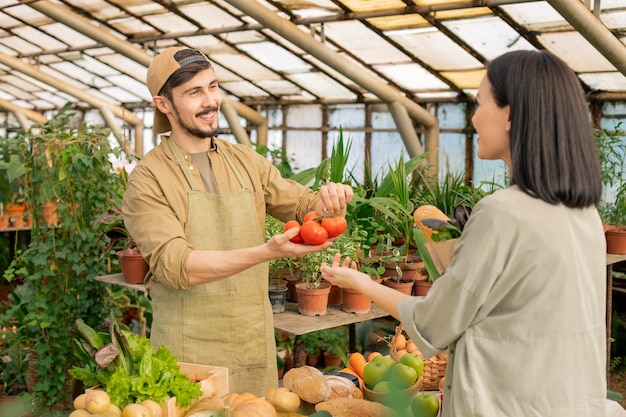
x,y
342,273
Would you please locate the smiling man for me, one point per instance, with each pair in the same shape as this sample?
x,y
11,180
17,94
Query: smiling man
x,y
196,207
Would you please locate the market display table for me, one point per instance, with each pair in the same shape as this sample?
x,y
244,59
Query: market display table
x,y
292,322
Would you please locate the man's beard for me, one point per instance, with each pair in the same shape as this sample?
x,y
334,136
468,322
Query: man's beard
x,y
194,130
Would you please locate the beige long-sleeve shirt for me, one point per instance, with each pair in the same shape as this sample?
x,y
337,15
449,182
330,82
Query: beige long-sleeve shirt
x,y
522,308
155,205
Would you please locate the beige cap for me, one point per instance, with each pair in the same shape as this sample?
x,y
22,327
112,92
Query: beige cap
x,y
160,70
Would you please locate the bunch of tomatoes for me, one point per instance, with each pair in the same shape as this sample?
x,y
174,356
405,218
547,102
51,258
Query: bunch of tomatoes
x,y
315,229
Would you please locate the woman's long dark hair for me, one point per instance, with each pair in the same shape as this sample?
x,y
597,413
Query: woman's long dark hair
x,y
553,153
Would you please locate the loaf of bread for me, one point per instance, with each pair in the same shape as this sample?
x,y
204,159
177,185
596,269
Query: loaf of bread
x,y
309,383
355,407
343,387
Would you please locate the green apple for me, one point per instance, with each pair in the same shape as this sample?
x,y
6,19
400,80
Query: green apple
x,y
374,372
414,361
383,387
425,405
402,376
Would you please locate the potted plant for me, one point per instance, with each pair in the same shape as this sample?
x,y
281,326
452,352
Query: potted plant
x,y
70,162
612,152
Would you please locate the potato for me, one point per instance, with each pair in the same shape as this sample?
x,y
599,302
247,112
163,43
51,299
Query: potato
x,y
79,402
136,410
282,399
153,407
115,409
97,401
80,413
107,413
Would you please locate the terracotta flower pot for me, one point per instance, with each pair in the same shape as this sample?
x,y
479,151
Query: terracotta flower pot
x,y
421,287
312,301
335,297
404,286
134,267
616,240
355,302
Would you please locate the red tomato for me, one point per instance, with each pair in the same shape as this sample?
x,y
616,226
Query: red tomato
x,y
310,216
334,225
290,225
313,233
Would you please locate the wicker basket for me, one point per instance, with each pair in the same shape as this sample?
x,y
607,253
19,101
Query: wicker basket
x,y
434,372
434,368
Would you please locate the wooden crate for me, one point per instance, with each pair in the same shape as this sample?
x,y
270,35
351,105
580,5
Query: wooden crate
x,y
213,382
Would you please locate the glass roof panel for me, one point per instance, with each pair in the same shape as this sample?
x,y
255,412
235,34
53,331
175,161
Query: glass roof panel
x,y
404,21
19,45
279,87
94,66
579,54
489,36
102,9
244,66
532,14
615,20
372,5
138,89
68,35
208,44
411,77
27,14
322,86
80,74
125,65
171,23
435,49
130,25
306,10
361,41
15,91
605,81
7,22
119,94
465,79
210,16
17,82
243,89
275,57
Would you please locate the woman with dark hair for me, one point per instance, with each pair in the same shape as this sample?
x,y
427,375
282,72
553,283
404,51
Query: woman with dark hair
x,y
522,305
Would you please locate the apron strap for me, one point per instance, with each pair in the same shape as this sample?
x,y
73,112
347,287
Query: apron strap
x,y
183,166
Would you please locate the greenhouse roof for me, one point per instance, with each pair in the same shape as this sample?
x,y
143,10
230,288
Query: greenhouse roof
x,y
96,52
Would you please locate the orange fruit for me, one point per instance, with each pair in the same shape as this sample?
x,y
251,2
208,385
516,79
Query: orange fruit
x,y
373,355
410,346
357,362
399,340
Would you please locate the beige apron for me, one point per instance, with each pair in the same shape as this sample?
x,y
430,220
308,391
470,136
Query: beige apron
x,y
228,322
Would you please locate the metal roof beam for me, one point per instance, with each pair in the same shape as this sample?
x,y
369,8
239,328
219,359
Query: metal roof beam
x,y
37,74
22,114
66,16
588,25
386,93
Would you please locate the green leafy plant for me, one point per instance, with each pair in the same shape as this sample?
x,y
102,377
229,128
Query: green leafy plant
x,y
611,147
281,267
128,367
69,162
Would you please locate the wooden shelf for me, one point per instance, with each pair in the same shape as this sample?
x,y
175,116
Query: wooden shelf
x,y
295,323
118,279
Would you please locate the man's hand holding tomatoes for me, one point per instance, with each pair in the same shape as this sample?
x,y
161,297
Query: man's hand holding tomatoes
x,y
282,246
334,199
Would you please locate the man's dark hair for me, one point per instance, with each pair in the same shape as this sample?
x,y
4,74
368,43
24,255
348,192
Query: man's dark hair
x,y
186,72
